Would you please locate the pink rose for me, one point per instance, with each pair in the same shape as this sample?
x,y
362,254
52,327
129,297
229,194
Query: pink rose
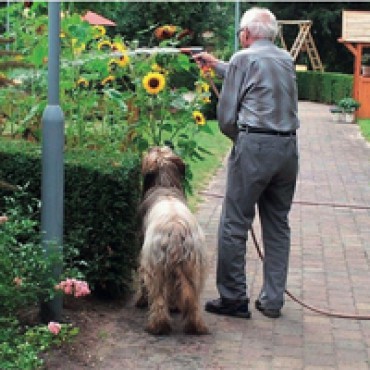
x,y
81,289
73,286
17,281
67,286
54,327
3,219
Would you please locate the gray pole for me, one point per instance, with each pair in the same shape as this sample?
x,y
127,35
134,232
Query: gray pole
x,y
237,17
52,189
7,22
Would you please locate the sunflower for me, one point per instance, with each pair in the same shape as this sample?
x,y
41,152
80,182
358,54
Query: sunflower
x,y
202,87
157,68
165,32
108,79
199,118
78,48
207,72
104,45
154,82
118,46
123,60
99,32
82,82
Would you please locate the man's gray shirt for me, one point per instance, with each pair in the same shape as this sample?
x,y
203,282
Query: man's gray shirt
x,y
259,90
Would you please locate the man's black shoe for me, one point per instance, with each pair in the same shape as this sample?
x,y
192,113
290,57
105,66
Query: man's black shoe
x,y
229,307
272,313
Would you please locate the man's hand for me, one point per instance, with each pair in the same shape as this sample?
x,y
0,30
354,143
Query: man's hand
x,y
205,59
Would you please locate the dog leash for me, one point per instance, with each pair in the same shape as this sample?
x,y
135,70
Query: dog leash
x,y
261,256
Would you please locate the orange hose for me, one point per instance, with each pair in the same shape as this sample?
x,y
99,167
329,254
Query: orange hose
x,y
260,254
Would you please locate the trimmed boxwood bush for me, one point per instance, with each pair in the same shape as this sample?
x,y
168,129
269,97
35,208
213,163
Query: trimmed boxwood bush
x,y
324,87
101,197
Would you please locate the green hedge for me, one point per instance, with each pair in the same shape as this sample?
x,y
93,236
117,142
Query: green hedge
x,y
324,87
101,197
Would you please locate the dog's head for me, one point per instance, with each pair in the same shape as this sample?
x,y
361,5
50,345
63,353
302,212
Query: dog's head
x,y
162,167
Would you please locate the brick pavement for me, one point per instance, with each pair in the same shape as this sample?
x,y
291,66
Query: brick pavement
x,y
329,269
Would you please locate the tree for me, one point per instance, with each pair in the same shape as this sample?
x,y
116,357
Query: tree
x,y
137,20
326,28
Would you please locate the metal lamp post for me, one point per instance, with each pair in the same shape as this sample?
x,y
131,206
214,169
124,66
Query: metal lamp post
x,y
52,188
237,16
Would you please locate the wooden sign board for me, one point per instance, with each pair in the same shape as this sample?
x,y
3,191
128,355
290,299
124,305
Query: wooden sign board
x,y
356,26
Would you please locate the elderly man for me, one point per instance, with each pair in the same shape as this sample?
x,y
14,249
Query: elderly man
x,y
257,110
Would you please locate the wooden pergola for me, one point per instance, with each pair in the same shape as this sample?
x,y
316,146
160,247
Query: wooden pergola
x,y
356,38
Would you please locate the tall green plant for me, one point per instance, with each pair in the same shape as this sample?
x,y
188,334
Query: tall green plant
x,y
113,98
25,269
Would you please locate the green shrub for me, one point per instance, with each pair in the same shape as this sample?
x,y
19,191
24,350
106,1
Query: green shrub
x,y
25,270
348,105
101,197
26,279
324,87
20,349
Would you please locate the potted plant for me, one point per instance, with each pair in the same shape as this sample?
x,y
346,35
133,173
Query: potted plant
x,y
336,113
365,65
349,106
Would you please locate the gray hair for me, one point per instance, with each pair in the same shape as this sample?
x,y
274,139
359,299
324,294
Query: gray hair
x,y
260,22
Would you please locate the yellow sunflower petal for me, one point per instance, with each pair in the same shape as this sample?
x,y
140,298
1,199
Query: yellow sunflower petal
x,y
118,46
108,79
99,31
82,82
104,45
123,60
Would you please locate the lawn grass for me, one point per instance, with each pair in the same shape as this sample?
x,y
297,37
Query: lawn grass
x,y
365,128
203,170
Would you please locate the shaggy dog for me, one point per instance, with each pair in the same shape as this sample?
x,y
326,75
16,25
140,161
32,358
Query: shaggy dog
x,y
173,256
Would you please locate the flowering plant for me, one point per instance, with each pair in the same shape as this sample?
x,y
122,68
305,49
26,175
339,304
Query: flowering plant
x,y
74,287
114,98
145,104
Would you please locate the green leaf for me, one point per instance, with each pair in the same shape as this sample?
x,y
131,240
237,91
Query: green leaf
x,y
206,129
182,62
116,96
39,52
167,127
32,113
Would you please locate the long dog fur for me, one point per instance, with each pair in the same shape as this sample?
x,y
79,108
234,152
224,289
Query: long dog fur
x,y
173,256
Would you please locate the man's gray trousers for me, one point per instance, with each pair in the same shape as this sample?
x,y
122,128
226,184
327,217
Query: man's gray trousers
x,y
262,171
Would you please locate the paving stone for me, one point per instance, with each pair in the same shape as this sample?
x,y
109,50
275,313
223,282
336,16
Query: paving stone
x,y
329,268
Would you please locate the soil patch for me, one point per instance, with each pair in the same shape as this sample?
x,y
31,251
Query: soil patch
x,y
93,317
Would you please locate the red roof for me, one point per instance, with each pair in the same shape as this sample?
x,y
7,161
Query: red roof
x,y
97,20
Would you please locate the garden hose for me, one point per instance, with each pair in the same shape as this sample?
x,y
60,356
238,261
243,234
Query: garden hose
x,y
261,256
